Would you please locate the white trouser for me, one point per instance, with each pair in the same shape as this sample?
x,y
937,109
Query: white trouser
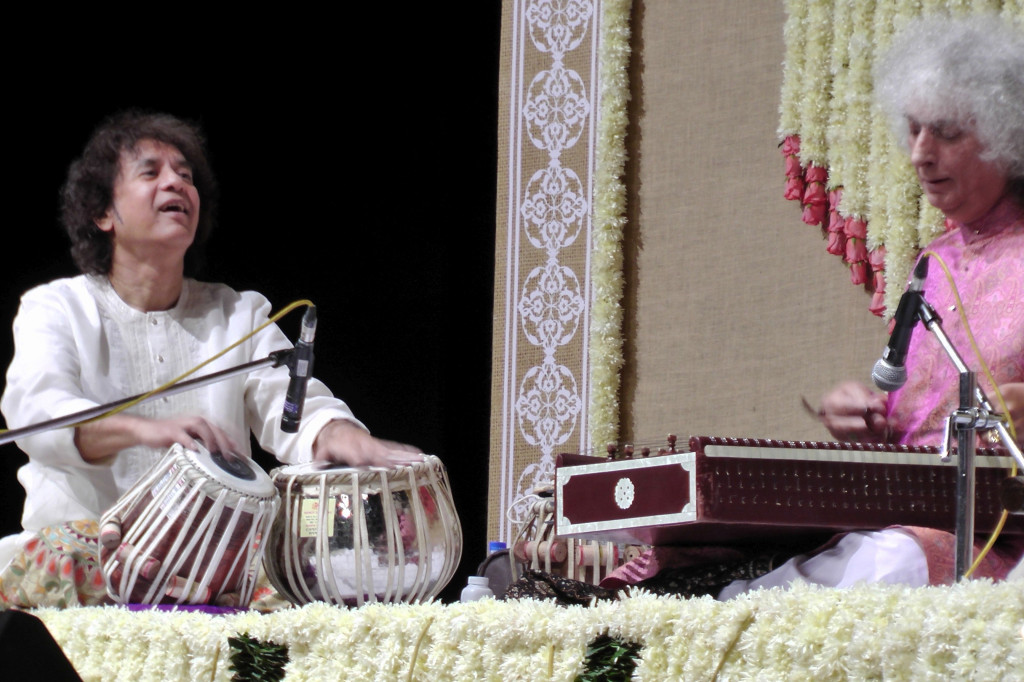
x,y
886,556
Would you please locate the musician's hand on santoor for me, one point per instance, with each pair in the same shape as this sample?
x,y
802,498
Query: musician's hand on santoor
x,y
343,442
1013,396
101,439
854,413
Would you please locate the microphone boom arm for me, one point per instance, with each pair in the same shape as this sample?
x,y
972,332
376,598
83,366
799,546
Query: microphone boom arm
x,y
275,359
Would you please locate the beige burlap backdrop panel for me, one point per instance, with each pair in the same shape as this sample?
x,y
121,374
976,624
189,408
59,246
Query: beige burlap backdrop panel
x,y
545,172
734,310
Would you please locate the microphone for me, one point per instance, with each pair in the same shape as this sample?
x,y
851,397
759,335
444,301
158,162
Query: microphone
x,y
299,369
890,371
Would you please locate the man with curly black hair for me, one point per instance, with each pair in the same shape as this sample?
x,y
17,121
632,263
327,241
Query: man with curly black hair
x,y
138,206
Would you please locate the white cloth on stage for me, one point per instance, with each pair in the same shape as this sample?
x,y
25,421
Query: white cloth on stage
x,y
78,345
886,556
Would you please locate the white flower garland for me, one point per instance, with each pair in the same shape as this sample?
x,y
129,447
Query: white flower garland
x,y
839,103
793,65
605,355
816,81
853,141
970,630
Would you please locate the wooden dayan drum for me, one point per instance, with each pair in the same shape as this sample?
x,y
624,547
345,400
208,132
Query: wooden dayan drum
x,y
191,531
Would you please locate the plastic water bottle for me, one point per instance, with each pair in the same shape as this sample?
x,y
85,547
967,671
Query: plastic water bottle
x,y
478,588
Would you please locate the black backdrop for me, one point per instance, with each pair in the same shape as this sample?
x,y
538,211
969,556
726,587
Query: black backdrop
x,y
357,169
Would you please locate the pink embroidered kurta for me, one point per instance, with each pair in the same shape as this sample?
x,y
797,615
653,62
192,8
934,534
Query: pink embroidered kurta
x,y
986,261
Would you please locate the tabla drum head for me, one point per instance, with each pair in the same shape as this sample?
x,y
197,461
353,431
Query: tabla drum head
x,y
235,472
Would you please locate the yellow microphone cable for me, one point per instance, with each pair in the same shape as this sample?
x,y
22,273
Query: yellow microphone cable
x,y
160,389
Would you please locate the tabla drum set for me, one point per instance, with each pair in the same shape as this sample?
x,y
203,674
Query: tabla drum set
x,y
195,529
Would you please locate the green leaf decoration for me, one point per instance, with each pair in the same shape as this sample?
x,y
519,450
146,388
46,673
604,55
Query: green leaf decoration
x,y
609,660
256,661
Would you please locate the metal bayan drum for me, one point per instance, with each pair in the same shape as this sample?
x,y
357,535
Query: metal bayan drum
x,y
365,534
190,531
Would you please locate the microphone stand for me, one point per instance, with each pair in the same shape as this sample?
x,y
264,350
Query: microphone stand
x,y
975,413
275,359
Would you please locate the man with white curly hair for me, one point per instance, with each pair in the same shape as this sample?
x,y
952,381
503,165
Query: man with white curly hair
x,y
954,92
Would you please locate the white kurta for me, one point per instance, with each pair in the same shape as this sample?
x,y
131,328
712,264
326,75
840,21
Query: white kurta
x,y
78,345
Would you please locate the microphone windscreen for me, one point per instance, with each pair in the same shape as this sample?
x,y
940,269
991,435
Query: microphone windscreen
x,y
888,377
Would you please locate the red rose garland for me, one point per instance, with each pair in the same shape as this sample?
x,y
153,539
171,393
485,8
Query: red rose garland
x,y
847,236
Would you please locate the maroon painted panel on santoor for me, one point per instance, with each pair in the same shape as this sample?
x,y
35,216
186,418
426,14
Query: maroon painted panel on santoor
x,y
750,488
672,481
